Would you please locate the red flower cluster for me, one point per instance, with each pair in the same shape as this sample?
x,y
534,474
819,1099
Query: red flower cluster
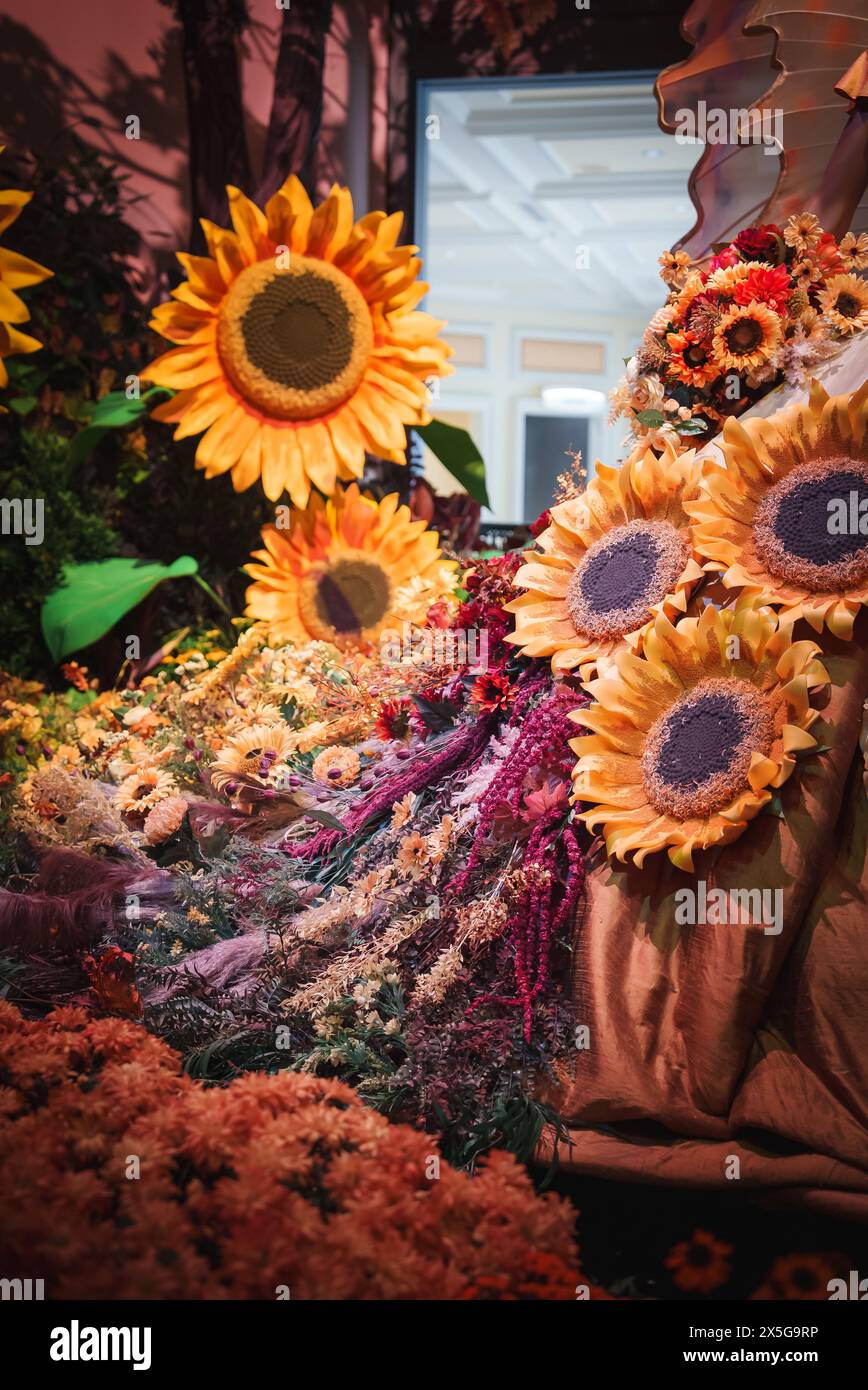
x,y
489,586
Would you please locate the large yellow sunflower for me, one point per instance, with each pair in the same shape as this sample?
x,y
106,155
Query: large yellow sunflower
x,y
346,570
612,558
16,273
299,344
689,739
782,519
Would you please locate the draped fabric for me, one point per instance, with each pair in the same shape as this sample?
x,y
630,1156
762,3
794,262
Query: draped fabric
x,y
712,1041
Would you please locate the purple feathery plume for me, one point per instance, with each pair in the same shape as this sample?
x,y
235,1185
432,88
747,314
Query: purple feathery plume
x,y
72,899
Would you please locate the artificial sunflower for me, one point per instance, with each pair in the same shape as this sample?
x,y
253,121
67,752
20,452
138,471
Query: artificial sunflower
x,y
346,570
16,273
612,557
778,520
688,740
252,756
746,336
691,360
844,303
299,344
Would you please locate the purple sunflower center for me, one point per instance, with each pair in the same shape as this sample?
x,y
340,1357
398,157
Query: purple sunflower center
x,y
623,575
352,595
699,752
807,528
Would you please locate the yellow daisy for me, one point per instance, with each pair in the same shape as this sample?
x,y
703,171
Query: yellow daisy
x,y
346,570
253,755
613,557
782,519
689,739
16,273
299,345
146,787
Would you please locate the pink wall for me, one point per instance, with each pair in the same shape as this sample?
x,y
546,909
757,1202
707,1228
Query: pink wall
x,y
105,60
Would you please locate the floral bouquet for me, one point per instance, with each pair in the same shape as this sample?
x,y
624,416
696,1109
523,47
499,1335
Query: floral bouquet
x,y
771,306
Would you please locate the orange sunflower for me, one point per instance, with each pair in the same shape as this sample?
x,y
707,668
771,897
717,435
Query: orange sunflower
x,y
299,345
612,558
688,740
346,570
692,361
782,520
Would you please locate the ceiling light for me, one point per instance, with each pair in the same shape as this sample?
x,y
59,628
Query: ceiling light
x,y
573,400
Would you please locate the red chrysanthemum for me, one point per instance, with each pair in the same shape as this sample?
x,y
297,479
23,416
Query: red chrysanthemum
x,y
772,287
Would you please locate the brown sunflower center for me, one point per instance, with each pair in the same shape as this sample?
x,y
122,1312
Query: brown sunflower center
x,y
350,596
807,527
623,575
699,752
847,305
294,342
744,336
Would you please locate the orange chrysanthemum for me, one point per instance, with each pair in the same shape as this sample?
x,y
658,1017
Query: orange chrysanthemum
x,y
346,570
688,740
299,346
778,520
612,557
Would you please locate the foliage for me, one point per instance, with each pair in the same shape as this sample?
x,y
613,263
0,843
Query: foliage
x,y
91,599
87,315
78,521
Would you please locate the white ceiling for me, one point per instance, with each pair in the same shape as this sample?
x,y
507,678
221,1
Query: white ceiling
x,y
522,176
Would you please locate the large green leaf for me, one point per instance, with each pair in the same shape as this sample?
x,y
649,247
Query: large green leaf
x,y
116,411
456,451
93,597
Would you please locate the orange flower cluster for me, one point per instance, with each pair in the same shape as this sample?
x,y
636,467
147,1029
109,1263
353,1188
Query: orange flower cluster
x,y
771,306
123,1178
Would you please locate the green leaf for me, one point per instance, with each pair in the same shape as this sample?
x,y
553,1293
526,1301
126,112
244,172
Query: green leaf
x,y
652,418
22,405
116,411
93,597
456,451
690,427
